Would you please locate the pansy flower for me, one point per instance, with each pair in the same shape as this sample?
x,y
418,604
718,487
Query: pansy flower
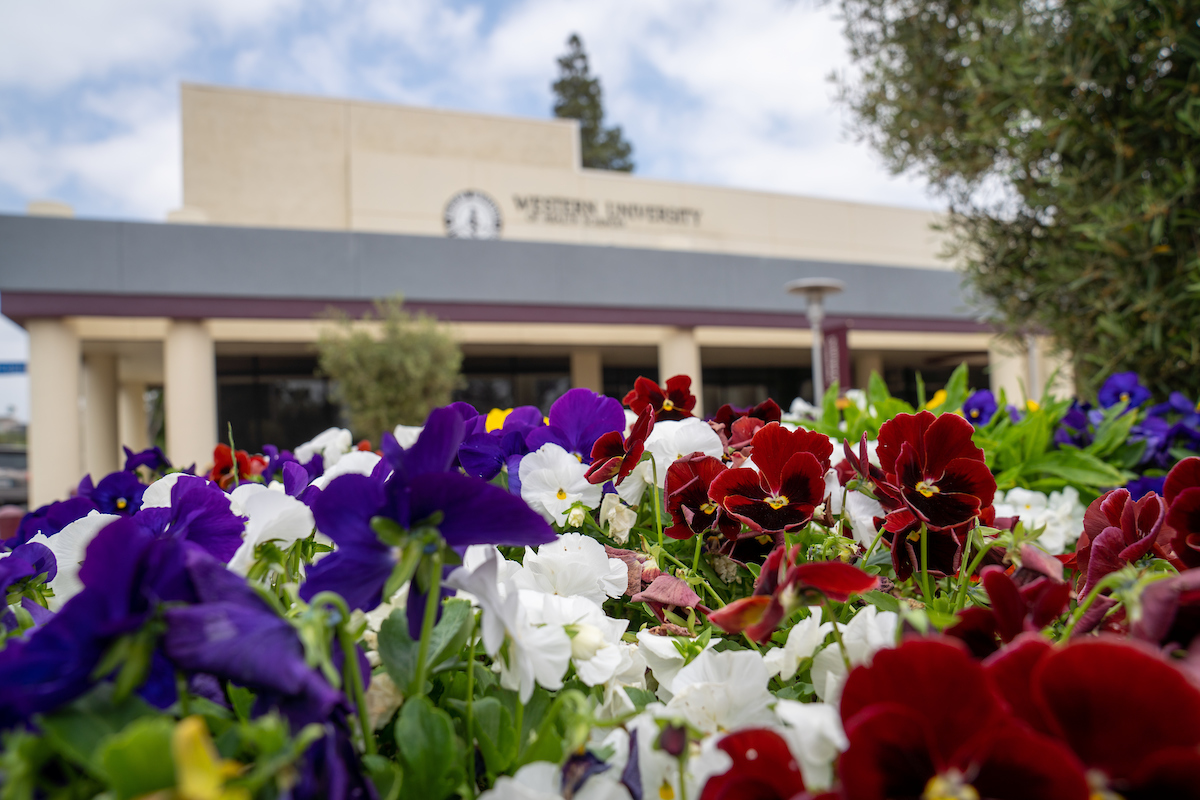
x,y
117,493
676,401
614,455
689,501
1181,491
737,427
1117,530
787,486
980,407
935,468
783,585
1170,611
152,458
1123,387
577,420
51,518
1015,610
229,467
763,768
924,721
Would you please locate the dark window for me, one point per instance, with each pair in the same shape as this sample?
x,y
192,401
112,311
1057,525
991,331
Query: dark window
x,y
272,400
509,382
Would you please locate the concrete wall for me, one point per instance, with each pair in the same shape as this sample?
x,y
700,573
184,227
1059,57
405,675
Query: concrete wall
x,y
262,159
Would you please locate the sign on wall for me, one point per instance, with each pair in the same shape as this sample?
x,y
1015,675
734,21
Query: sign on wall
x,y
556,210
473,215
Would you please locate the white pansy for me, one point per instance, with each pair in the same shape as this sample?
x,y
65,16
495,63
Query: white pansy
x,y
633,488
803,640
158,494
658,769
69,547
573,566
595,637
723,691
671,440
407,435
861,509
543,780
870,631
272,516
552,480
332,444
1060,515
359,462
664,660
630,672
617,517
815,736
524,653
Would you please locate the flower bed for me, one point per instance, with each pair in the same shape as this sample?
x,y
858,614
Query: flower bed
x,y
622,600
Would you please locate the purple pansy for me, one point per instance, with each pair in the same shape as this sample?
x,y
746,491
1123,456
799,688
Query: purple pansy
x,y
200,513
117,493
26,561
1123,387
421,488
980,407
152,458
1144,485
51,518
577,420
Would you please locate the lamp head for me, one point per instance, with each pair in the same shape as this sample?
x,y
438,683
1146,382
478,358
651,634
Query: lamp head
x,y
815,288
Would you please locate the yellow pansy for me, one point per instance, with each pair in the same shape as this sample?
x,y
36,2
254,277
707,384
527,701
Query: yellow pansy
x,y
939,397
200,772
495,419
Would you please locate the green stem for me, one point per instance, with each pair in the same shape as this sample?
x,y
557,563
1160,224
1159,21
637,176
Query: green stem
x,y
964,577
471,711
837,634
181,687
431,608
520,722
683,775
871,549
925,564
696,556
720,603
351,676
1107,583
657,502
961,600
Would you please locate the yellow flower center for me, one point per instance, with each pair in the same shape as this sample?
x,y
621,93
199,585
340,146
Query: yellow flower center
x,y
667,405
122,503
928,489
709,508
1032,405
1125,396
665,791
562,495
974,412
950,786
777,501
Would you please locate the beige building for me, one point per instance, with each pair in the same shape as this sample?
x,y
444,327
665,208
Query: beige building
x,y
550,275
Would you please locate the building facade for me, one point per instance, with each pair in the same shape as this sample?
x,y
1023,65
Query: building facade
x,y
549,275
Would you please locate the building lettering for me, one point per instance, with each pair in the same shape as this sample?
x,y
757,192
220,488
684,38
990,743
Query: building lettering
x,y
554,210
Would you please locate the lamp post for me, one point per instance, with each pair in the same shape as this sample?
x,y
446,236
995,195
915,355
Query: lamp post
x,y
815,290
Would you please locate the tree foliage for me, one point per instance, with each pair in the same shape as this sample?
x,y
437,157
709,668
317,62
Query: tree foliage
x,y
395,377
1064,135
577,95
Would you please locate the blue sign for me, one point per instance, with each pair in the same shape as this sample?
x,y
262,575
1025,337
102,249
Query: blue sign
x,y
12,367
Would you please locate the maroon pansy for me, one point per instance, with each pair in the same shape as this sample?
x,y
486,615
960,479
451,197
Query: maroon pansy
x,y
763,769
1170,611
784,585
1015,610
932,464
1132,718
689,503
676,401
737,427
614,456
1117,530
923,721
789,483
1181,491
666,593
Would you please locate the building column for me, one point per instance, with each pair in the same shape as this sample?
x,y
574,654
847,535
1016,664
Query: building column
x,y
131,416
190,393
866,362
55,462
679,354
1008,368
1057,365
100,440
587,371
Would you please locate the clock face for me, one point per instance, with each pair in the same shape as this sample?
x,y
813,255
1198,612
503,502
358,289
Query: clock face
x,y
472,215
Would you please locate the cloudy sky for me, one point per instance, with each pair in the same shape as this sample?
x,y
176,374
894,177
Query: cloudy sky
x,y
718,92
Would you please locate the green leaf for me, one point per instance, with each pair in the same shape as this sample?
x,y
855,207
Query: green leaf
x,y
882,600
428,751
877,391
398,651
242,700
138,760
385,774
640,697
496,734
1078,468
79,730
829,410
956,390
1113,430
449,636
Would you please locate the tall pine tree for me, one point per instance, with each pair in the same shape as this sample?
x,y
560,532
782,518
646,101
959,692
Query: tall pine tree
x,y
577,95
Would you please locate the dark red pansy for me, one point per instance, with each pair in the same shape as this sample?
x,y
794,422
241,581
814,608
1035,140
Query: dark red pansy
x,y
1181,491
784,585
1011,673
737,427
763,769
1117,530
1170,614
230,468
1015,610
689,503
789,483
932,464
676,401
1132,718
614,456
924,721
